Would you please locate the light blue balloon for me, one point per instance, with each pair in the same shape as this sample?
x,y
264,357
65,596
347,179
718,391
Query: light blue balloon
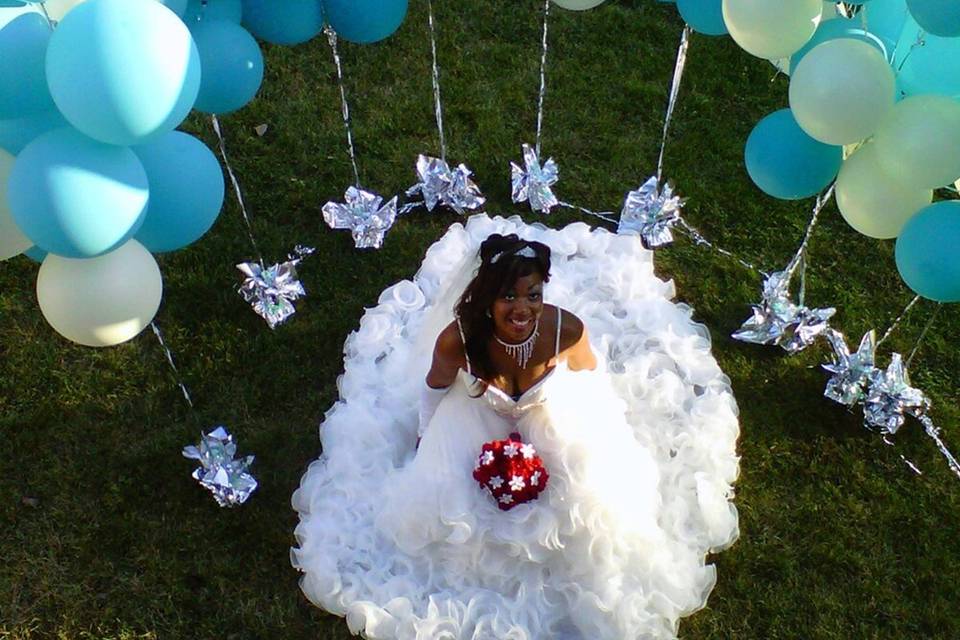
x,y
703,16
231,10
928,252
885,19
186,187
77,197
288,22
365,21
785,162
232,66
931,68
23,82
36,254
838,28
939,17
177,6
123,70
17,133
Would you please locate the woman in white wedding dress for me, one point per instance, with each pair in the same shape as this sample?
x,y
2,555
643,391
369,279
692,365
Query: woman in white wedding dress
x,y
616,390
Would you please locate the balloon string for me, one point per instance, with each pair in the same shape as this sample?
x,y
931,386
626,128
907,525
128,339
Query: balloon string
x,y
899,319
934,433
543,75
50,21
674,92
605,216
236,186
923,334
344,107
176,372
800,255
700,240
438,105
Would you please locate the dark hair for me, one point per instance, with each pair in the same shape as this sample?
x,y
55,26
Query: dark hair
x,y
501,265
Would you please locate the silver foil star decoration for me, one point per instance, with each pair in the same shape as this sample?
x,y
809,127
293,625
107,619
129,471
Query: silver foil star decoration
x,y
272,290
651,213
890,398
220,472
532,182
363,214
778,320
852,373
439,184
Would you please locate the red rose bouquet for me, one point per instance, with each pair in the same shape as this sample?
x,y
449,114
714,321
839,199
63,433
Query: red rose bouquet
x,y
511,471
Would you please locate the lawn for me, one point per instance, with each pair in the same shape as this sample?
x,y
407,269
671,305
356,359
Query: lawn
x,y
104,535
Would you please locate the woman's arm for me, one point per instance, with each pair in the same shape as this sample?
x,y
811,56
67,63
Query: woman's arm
x,y
575,344
448,358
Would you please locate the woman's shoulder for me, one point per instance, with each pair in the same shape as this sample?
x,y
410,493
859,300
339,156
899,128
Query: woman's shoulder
x,y
449,346
572,328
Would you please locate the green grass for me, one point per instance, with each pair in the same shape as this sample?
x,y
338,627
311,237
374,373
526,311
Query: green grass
x,y
839,539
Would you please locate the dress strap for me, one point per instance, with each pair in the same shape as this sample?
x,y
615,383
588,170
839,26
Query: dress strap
x,y
463,339
556,352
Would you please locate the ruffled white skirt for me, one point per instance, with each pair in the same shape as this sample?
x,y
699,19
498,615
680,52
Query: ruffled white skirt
x,y
641,455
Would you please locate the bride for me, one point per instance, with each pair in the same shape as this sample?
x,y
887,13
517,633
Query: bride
x,y
610,382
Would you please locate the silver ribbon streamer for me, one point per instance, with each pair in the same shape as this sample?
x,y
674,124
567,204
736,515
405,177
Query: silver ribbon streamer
x,y
852,373
437,104
543,74
674,92
650,213
344,107
176,372
800,257
236,185
271,291
220,472
439,184
934,433
532,182
899,319
363,214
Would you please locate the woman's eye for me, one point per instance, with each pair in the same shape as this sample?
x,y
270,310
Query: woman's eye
x,y
534,296
509,296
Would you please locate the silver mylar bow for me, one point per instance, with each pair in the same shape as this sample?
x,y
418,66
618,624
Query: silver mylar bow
x,y
439,184
271,291
852,373
225,476
890,398
363,215
650,213
533,182
777,320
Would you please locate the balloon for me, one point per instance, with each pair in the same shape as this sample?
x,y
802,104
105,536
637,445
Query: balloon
x,y
838,28
787,163
366,21
76,197
927,255
102,301
232,66
16,133
186,187
8,13
703,16
56,9
12,240
931,68
771,28
289,22
123,70
919,141
841,90
872,201
23,48
577,5
885,19
939,17
36,254
231,10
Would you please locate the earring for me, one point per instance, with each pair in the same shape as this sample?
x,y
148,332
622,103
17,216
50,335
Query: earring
x,y
489,315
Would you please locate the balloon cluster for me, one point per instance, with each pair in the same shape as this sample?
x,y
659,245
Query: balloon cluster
x,y
94,177
874,104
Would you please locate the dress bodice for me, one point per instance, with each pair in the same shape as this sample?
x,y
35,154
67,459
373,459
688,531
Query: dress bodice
x,y
502,403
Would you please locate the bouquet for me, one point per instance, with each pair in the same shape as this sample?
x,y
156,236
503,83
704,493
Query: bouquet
x,y
511,471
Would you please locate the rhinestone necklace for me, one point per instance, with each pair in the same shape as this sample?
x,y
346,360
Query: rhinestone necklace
x,y
522,351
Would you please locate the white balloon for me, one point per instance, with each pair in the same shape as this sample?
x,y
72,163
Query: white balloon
x,y
12,240
102,301
772,29
578,5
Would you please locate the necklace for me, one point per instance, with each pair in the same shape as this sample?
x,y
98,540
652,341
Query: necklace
x,y
521,351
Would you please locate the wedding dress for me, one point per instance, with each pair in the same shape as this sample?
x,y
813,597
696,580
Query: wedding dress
x,y
641,454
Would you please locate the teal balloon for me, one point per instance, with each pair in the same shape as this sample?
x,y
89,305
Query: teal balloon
x,y
886,19
232,66
288,22
703,16
939,17
16,133
77,197
839,28
123,70
932,68
231,10
23,82
927,252
177,6
36,254
785,162
365,21
186,187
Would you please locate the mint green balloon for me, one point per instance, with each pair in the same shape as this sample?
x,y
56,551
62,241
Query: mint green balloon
x,y
874,202
772,28
578,5
841,91
919,140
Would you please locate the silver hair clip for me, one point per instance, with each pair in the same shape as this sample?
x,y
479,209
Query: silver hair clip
x,y
526,252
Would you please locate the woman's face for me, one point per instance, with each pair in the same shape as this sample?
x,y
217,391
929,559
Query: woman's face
x,y
516,310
